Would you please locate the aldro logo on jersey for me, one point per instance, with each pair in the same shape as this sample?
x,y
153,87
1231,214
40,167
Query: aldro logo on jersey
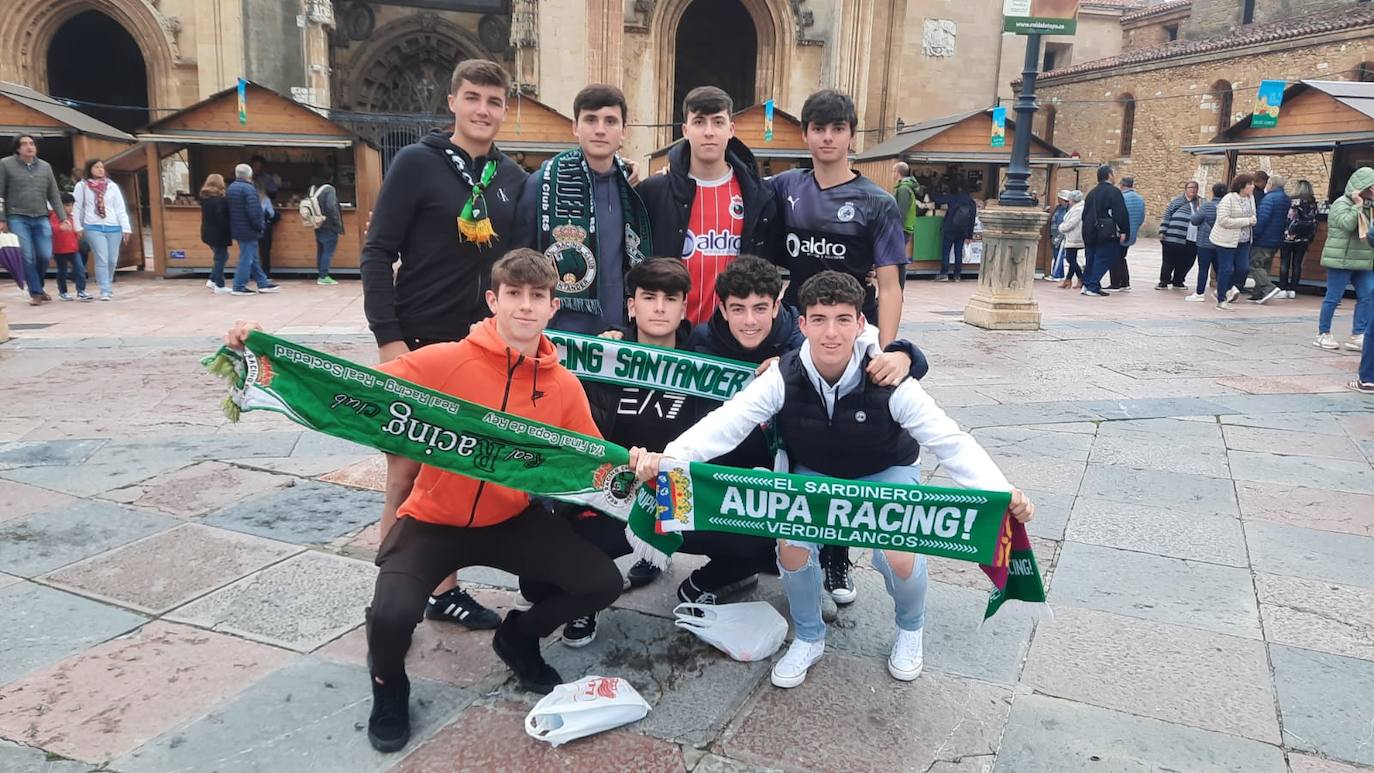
x,y
817,247
713,242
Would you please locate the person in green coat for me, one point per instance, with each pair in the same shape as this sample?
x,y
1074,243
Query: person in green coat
x,y
912,202
1349,259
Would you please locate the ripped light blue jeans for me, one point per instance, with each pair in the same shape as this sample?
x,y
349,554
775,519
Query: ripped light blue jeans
x,y
805,586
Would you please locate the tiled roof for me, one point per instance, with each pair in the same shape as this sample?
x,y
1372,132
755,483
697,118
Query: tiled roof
x,y
1284,29
1151,10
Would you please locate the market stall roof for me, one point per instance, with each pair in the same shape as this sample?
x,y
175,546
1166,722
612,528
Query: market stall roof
x,y
960,138
1316,116
534,127
269,120
36,113
788,140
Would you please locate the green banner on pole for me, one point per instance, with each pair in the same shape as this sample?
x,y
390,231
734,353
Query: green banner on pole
x,y
1040,17
1267,103
999,127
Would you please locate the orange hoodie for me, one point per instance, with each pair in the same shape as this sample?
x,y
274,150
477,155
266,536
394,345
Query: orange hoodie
x,y
483,369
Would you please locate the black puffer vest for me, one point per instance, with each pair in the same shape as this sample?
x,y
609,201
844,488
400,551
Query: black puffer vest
x,y
860,439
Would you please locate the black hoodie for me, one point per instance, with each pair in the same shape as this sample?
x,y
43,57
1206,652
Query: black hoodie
x,y
669,197
631,416
437,294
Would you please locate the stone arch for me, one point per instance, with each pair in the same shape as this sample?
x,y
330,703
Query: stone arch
x,y
406,64
1127,102
1363,72
27,30
1224,93
776,29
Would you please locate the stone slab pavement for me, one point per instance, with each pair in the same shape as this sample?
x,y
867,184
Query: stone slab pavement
x,y
180,593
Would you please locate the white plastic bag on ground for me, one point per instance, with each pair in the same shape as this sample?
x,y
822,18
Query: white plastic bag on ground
x,y
579,709
749,631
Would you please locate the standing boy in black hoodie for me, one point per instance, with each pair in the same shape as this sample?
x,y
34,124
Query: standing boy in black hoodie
x,y
711,207
439,205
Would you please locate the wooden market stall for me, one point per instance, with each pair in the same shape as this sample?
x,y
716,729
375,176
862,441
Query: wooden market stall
x,y
786,150
533,132
1334,119
296,145
67,138
956,151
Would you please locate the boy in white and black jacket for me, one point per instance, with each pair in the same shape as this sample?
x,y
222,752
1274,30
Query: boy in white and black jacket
x,y
834,423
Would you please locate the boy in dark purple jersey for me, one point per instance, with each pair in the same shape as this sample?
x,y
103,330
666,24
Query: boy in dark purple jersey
x,y
835,219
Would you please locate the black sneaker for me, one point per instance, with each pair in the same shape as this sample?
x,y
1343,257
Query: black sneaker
x,y
580,632
388,728
520,652
689,593
839,581
642,573
456,606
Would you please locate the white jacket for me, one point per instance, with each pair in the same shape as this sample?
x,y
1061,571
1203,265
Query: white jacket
x,y
1235,220
84,213
723,429
1072,226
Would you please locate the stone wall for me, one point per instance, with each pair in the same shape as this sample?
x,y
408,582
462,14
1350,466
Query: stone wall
x,y
1211,18
1174,108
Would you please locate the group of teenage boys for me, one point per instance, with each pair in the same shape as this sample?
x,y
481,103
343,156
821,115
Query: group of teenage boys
x,y
684,259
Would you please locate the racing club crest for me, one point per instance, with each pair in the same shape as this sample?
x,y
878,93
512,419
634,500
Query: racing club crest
x,y
846,212
737,207
571,258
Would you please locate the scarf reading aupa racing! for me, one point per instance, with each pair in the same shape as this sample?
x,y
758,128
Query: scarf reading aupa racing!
x,y
334,396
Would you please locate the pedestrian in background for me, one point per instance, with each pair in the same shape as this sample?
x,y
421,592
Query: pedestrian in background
x,y
268,189
214,229
1178,237
1261,186
28,190
1302,226
1135,210
1105,223
957,230
104,220
1271,215
1072,229
246,227
66,251
912,202
1231,237
1364,380
328,232
1203,220
1061,208
1348,259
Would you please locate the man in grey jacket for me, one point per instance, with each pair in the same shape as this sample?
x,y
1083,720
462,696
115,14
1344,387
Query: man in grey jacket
x,y
27,189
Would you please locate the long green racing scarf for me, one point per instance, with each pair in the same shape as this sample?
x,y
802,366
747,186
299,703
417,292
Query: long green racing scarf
x,y
568,228
340,398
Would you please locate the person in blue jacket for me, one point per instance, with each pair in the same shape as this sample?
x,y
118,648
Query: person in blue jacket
x,y
1271,221
246,225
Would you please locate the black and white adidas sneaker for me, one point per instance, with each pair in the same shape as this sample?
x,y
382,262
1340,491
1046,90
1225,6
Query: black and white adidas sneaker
x,y
456,606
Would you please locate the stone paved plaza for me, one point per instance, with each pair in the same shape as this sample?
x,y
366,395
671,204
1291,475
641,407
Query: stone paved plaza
x,y
182,594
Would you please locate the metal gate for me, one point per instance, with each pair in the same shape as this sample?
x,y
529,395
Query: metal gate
x,y
390,131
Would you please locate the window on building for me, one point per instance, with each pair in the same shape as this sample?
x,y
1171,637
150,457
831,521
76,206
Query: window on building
x,y
1247,11
1127,124
1056,56
1047,134
1364,72
1171,32
1225,96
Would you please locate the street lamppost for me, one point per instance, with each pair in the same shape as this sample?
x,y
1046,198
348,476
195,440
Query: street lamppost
x,y
1017,193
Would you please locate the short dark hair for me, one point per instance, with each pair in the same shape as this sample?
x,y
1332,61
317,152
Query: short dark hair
x,y
67,198
1128,182
659,275
748,275
597,96
706,100
1105,171
1239,182
14,146
1218,189
89,165
479,72
1260,174
523,267
829,106
831,288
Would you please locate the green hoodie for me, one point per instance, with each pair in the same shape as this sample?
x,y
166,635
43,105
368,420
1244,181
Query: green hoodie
x,y
1344,247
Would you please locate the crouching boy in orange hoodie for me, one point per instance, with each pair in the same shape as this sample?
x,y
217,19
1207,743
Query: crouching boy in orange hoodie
x,y
450,521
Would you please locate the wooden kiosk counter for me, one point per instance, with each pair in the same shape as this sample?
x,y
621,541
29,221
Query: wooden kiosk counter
x,y
297,146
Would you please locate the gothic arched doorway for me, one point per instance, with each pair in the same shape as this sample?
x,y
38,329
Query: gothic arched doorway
x,y
716,45
94,59
406,66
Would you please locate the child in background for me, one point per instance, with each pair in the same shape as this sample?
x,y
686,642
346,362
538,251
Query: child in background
x,y
66,250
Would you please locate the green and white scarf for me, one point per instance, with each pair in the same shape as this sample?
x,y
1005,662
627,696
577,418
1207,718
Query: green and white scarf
x,y
340,398
568,223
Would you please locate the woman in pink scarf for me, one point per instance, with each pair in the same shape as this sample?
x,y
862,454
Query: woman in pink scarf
x,y
102,220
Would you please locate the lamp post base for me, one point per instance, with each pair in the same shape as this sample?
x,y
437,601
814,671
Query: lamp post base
x,y
1005,298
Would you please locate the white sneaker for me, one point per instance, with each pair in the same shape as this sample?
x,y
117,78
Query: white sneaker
x,y
1232,294
1292,295
1326,341
1355,343
1196,298
790,671
223,290
908,656
1225,306
210,283
521,603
